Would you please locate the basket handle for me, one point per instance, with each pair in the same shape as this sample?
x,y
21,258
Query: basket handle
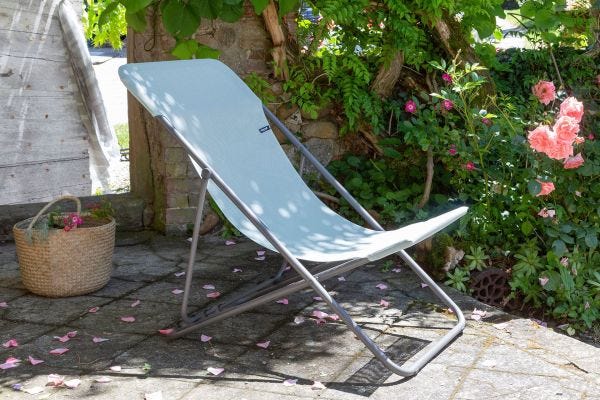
x,y
47,206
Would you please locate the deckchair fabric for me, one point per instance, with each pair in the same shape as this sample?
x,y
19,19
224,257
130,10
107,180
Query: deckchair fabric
x,y
224,122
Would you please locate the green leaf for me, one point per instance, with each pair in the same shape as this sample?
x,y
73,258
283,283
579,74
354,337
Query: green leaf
x,y
137,21
559,247
259,5
106,14
207,8
392,153
526,228
179,18
207,52
353,161
534,187
185,50
567,239
591,240
286,6
231,12
134,6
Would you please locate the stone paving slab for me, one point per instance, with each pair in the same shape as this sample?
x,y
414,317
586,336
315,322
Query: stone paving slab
x,y
502,356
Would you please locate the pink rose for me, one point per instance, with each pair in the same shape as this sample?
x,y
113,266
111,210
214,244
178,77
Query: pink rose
x,y
579,139
572,108
470,166
544,91
410,107
566,129
447,78
547,188
452,150
541,139
448,105
573,162
560,150
591,136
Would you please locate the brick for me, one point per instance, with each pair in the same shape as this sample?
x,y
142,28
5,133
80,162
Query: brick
x,y
176,170
180,216
178,200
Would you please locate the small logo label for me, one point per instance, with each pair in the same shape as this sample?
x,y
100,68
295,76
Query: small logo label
x,y
264,129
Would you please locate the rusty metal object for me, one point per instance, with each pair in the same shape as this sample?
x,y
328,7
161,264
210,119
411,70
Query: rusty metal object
x,y
491,287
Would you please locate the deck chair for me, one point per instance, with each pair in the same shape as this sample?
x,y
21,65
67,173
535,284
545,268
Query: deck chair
x,y
224,128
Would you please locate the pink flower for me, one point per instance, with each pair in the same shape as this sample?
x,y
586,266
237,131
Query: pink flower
x,y
67,228
544,91
579,139
560,150
452,150
573,162
541,139
545,213
566,129
448,105
547,188
410,107
591,136
470,166
486,121
570,107
447,78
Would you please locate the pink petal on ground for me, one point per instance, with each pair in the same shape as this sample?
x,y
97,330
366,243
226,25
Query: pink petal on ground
x,y
235,270
97,339
478,314
59,351
317,386
116,368
319,314
397,270
128,318
208,287
424,285
135,303
341,279
205,338
283,301
176,291
166,331
10,343
381,286
55,380
33,390
215,371
62,339
8,365
261,258
334,317
153,396
384,303
178,274
298,320
229,243
72,334
290,382
264,344
103,379
320,321
12,360
260,253
72,383
213,295
93,310
317,298
3,304
34,361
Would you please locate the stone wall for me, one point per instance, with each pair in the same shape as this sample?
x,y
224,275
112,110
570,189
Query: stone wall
x,y
245,47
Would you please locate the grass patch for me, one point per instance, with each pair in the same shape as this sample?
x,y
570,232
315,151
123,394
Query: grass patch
x,y
122,132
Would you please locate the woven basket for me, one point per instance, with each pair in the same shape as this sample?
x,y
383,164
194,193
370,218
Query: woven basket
x,y
56,263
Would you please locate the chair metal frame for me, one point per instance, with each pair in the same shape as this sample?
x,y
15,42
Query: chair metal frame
x,y
278,287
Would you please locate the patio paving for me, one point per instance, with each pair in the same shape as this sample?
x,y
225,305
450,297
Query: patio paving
x,y
501,356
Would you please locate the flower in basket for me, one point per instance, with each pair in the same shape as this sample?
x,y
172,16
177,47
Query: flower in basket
x,y
71,221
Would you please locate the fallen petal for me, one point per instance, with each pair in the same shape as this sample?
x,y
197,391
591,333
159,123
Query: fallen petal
x,y
317,298
116,368
178,274
12,360
261,258
97,339
235,270
103,379
397,270
55,380
317,386
213,295
205,338
93,310
8,365
59,351
34,361
319,314
215,371
208,287
320,321
135,303
17,387
166,331
260,253
153,396
10,343
62,339
381,286
264,344
72,334
229,243
72,383
341,279
298,320
128,318
384,303
424,285
33,390
290,382
334,317
3,304
176,291
283,301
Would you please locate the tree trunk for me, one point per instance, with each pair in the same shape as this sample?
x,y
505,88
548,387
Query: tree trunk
x,y
388,76
278,52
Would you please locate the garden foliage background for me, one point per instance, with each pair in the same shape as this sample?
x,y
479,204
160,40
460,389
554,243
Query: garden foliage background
x,y
437,115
